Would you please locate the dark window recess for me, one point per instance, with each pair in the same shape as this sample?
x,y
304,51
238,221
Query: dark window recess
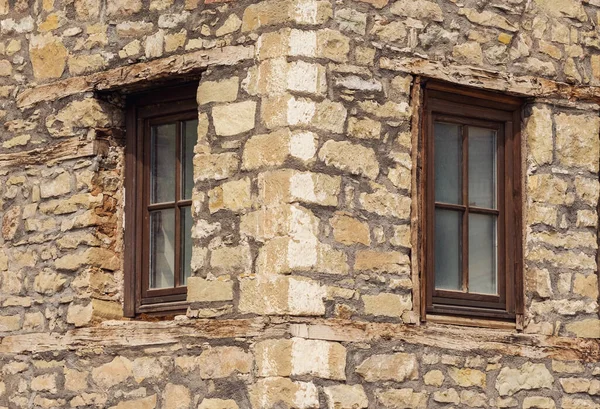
x,y
161,135
472,203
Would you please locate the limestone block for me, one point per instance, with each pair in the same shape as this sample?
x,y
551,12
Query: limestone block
x,y
83,64
230,260
352,158
10,222
3,260
146,367
304,252
527,377
589,328
218,404
115,8
85,113
46,382
112,373
387,305
235,118
218,91
539,135
274,12
446,396
547,189
272,150
538,402
473,399
234,196
231,25
393,32
79,315
288,186
538,282
287,110
401,398
488,19
10,323
48,56
575,385
567,367
577,141
75,381
573,403
418,9
5,68
332,45
586,286
467,377
48,282
93,256
346,397
56,187
352,21
215,166
587,189
279,220
434,378
389,110
281,295
176,397
562,8
349,230
364,128
202,290
401,236
221,362
397,367
381,262
267,393
276,76
379,4
469,52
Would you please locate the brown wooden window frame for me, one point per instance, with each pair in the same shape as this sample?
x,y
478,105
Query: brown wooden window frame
x,y
466,106
170,104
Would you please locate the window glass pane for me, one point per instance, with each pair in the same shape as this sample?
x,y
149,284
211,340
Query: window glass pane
x,y
188,141
162,165
482,167
448,250
448,159
186,243
482,253
162,248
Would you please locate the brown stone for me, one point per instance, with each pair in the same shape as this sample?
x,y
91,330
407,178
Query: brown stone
x,y
348,230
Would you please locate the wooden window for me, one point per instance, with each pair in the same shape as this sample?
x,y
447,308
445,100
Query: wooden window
x,y
472,206
161,135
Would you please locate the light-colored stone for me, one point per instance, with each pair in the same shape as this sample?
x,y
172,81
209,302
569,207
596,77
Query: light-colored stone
x,y
355,159
112,373
218,404
434,378
405,398
349,230
346,397
142,403
381,262
467,377
221,362
48,56
218,91
388,305
234,196
589,328
364,128
176,397
200,289
577,141
397,367
539,135
538,402
488,19
235,118
527,377
418,9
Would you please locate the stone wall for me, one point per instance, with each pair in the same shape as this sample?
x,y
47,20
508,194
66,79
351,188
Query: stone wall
x,y
305,288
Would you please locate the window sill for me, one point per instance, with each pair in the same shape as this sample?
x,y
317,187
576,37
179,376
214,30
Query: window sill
x,y
471,322
162,309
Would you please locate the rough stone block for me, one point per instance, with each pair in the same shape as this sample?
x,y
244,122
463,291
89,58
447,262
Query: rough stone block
x,y
401,398
266,393
529,376
288,186
235,118
234,196
397,367
221,362
353,158
218,91
202,290
349,230
346,397
577,141
272,150
387,305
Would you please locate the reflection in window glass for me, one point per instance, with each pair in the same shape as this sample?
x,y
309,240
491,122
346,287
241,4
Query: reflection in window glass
x,y
482,167
483,249
162,166
448,250
448,162
186,243
162,248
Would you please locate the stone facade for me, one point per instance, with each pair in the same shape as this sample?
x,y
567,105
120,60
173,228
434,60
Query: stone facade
x,y
305,289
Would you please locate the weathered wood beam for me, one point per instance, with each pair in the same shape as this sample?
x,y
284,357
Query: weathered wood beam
x,y
65,150
121,335
133,74
526,86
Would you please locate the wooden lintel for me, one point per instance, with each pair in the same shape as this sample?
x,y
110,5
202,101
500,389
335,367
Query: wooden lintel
x,y
121,335
523,86
128,76
73,148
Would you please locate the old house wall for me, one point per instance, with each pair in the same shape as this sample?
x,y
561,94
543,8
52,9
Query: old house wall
x,y
305,287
